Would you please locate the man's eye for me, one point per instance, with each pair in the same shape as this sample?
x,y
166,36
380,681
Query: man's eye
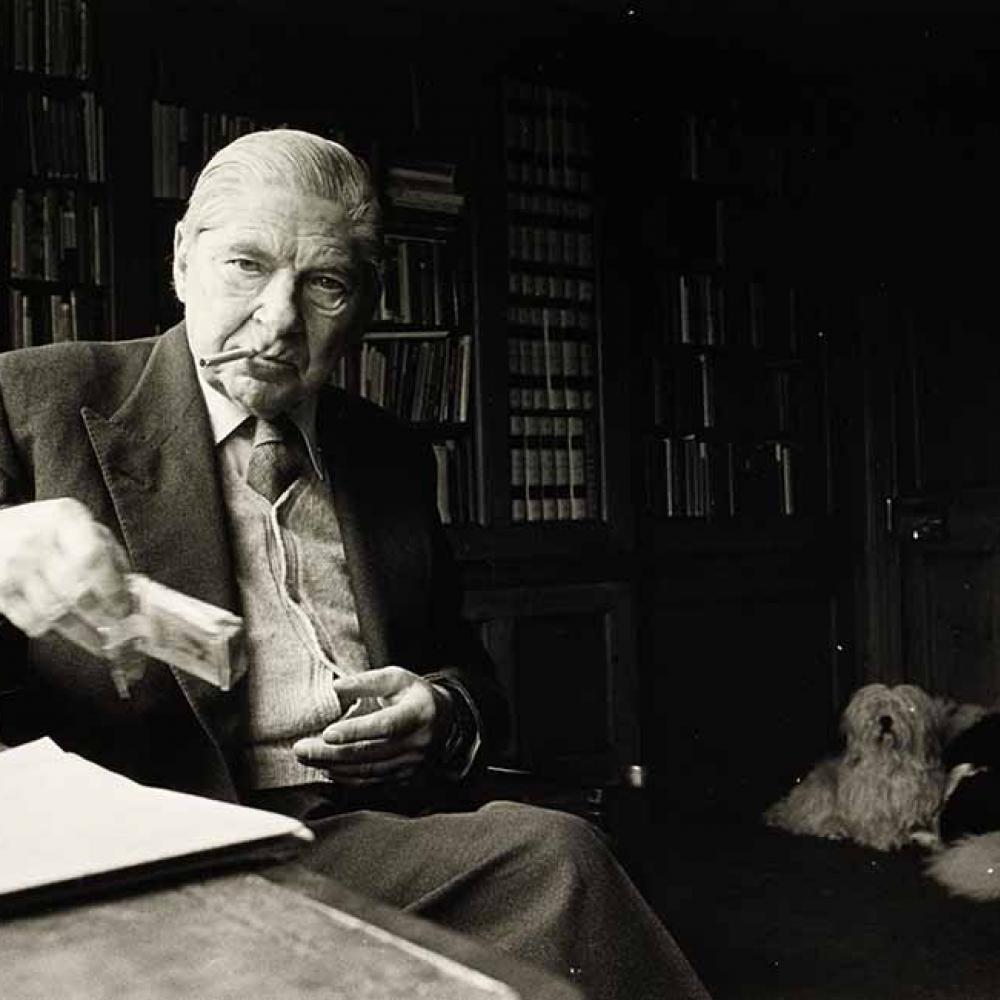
x,y
329,285
245,265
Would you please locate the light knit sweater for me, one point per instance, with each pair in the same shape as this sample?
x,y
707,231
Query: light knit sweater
x,y
301,622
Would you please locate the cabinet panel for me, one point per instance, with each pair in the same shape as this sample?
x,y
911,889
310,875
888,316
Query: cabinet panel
x,y
566,658
741,694
949,594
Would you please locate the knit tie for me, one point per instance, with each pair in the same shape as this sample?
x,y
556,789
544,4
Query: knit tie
x,y
278,457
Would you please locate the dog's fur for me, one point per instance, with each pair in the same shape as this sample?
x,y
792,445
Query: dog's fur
x,y
885,789
968,863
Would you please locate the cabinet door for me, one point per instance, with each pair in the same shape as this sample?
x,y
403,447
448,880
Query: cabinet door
x,y
931,469
949,593
565,655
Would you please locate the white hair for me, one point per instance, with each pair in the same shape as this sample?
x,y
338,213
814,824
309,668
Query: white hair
x,y
297,161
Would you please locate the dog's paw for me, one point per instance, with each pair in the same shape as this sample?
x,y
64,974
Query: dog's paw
x,y
926,838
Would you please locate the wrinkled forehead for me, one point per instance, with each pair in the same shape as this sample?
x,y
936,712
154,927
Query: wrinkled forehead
x,y
257,205
278,221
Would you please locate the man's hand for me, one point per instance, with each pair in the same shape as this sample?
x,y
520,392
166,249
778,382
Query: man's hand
x,y
60,569
389,744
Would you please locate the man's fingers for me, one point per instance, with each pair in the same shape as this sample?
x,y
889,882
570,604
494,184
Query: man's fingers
x,y
358,761
397,777
379,683
390,723
95,567
54,560
81,632
360,751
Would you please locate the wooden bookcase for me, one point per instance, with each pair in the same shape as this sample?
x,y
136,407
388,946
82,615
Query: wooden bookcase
x,y
553,330
745,585
736,394
56,262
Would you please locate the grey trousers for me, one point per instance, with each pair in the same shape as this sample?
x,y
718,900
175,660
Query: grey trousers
x,y
537,883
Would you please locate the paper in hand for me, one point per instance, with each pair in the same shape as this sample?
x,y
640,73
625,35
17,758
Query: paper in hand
x,y
191,635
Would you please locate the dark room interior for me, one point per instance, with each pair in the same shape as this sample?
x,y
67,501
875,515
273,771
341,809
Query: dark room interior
x,y
726,443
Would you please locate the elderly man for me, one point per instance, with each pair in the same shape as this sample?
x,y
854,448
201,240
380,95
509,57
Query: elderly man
x,y
251,484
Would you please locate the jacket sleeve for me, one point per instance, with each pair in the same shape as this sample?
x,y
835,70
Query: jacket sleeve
x,y
464,661
12,490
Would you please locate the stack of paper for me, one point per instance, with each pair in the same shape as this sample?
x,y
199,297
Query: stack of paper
x,y
69,825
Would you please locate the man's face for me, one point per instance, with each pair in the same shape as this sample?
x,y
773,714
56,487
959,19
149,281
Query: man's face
x,y
277,272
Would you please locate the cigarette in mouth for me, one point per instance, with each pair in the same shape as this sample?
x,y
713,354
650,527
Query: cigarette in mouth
x,y
224,357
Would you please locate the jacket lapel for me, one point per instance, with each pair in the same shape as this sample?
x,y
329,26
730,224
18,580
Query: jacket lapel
x,y
158,461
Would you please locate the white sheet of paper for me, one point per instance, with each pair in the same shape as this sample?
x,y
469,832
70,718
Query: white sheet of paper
x,y
65,818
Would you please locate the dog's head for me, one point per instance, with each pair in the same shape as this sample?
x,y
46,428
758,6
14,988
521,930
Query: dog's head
x,y
892,721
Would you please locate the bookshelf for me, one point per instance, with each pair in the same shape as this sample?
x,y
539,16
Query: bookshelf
x,y
417,357
553,334
56,262
734,397
745,584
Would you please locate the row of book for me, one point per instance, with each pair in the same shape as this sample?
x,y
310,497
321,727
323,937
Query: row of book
x,y
551,317
550,320
419,378
548,285
558,207
456,480
717,311
58,234
688,476
718,148
172,150
553,468
547,139
219,128
39,318
554,126
183,141
54,37
562,177
420,283
549,245
424,188
533,94
59,136
701,391
550,374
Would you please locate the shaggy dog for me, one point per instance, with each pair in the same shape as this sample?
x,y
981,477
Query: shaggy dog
x,y
886,788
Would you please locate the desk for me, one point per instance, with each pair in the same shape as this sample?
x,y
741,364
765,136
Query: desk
x,y
277,933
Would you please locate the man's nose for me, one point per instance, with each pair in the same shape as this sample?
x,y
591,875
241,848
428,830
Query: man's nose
x,y
278,305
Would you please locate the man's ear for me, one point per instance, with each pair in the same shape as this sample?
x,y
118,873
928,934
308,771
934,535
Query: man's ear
x,y
180,261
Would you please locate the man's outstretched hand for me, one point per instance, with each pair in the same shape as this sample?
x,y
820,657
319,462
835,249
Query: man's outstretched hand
x,y
61,570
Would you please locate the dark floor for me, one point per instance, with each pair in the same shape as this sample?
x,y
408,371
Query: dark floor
x,y
763,914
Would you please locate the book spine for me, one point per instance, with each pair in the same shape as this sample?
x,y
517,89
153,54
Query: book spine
x,y
518,505
577,469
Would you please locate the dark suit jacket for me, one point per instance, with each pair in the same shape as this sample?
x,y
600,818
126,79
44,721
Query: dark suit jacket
x,y
123,428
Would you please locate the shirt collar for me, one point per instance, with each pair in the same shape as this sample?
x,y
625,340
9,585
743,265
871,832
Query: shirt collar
x,y
225,416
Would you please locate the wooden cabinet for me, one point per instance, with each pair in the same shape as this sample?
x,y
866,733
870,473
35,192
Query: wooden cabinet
x,y
566,655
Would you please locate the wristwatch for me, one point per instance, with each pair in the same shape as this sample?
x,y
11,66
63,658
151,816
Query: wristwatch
x,y
457,748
